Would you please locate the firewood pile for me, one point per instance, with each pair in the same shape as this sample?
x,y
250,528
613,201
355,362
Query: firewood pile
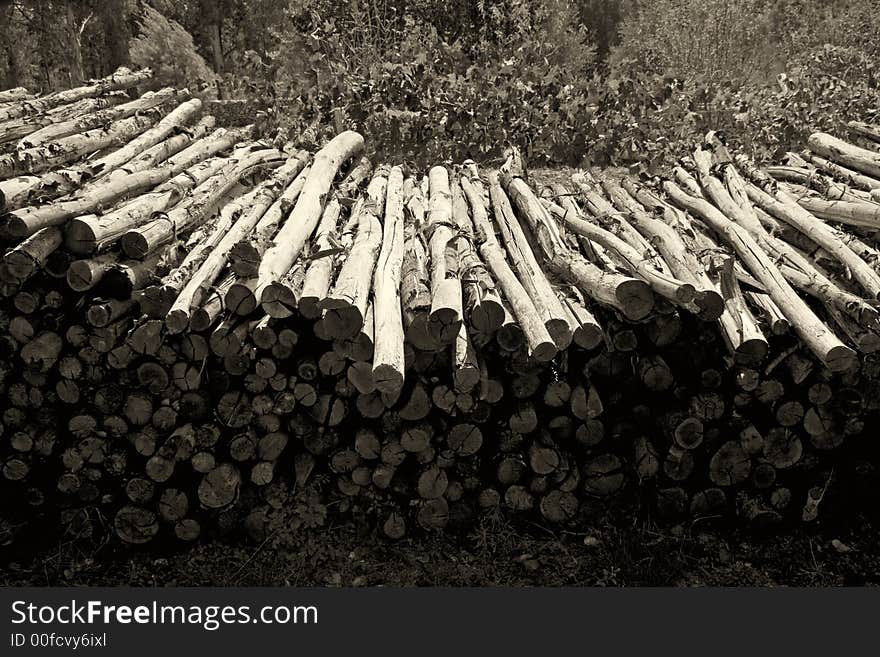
x,y
203,331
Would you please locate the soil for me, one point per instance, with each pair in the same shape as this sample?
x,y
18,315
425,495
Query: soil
x,y
615,548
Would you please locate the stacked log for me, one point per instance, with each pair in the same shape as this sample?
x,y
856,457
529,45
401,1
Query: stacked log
x,y
238,335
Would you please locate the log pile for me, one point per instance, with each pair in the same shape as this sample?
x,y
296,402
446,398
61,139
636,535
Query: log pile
x,y
203,331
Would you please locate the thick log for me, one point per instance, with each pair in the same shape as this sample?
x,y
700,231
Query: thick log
x,y
247,254
854,157
25,260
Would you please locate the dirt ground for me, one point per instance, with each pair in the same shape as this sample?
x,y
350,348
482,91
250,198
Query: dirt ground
x,y
615,549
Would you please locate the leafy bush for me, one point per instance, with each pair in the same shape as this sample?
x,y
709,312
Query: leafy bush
x,y
419,95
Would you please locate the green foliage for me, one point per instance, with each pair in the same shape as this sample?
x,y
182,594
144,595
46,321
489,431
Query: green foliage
x,y
420,95
568,81
166,47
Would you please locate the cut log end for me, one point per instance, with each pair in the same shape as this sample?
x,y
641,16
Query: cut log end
x,y
635,298
277,300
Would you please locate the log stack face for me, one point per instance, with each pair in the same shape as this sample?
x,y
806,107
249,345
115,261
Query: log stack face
x,y
201,332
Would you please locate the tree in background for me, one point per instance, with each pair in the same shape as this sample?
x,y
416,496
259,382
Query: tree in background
x,y
116,30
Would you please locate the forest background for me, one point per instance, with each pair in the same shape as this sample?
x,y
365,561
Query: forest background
x,y
571,82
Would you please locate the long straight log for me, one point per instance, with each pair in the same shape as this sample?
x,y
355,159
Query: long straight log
x,y
89,233
541,346
251,209
68,149
446,316
346,305
415,284
857,214
67,183
291,238
193,210
316,284
519,249
388,354
17,128
122,79
812,331
844,174
482,305
93,120
247,254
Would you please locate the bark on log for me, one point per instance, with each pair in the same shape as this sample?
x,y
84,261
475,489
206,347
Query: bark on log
x,y
291,238
815,334
249,211
194,210
445,318
855,157
121,79
388,356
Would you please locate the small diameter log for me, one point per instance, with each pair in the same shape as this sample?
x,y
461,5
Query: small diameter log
x,y
540,343
288,243
415,285
68,149
92,120
782,205
815,334
482,304
251,209
738,326
588,333
683,263
445,318
848,176
178,176
316,284
123,78
203,201
346,305
388,356
673,289
520,250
